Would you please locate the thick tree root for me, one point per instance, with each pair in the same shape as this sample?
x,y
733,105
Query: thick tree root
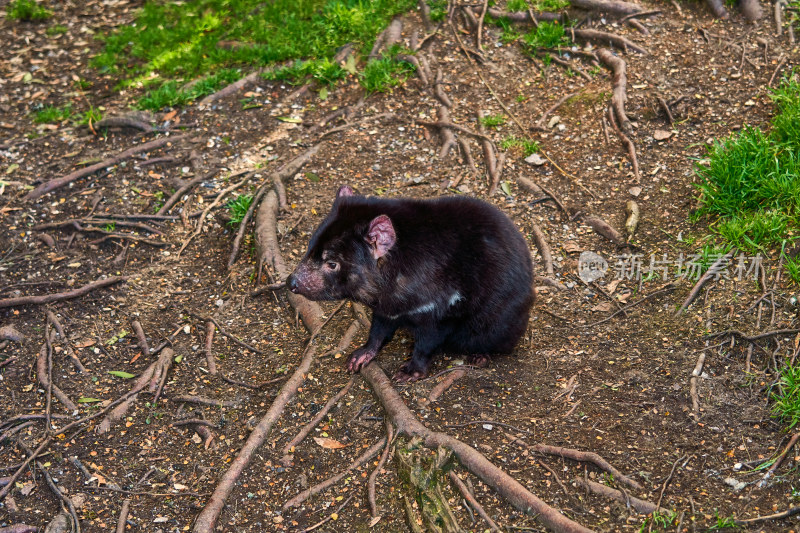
x,y
509,488
641,506
54,184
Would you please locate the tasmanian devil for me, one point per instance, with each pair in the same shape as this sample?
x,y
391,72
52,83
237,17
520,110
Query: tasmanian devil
x,y
455,271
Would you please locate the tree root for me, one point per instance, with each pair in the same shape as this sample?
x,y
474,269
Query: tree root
x,y
124,122
232,88
269,254
448,138
54,184
43,372
286,460
603,37
619,86
544,250
225,333
371,452
628,144
713,270
140,337
587,457
289,169
212,363
76,362
123,515
640,506
601,227
144,379
373,506
185,189
61,296
464,490
207,210
446,383
509,488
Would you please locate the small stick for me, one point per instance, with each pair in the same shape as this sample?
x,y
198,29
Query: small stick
x,y
601,227
44,376
61,296
778,68
442,386
555,199
54,184
125,122
779,460
665,107
225,333
188,398
668,288
184,190
249,385
559,103
212,364
329,517
373,506
641,506
305,430
480,25
589,457
123,515
669,478
693,380
140,337
319,487
462,488
76,362
712,270
212,205
777,516
544,250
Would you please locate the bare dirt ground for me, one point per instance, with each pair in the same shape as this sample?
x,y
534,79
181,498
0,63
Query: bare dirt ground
x,y
620,388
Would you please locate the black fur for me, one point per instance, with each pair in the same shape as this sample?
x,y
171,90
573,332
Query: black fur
x,y
457,274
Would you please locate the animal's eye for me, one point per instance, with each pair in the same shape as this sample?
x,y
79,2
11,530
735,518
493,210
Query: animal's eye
x,y
332,265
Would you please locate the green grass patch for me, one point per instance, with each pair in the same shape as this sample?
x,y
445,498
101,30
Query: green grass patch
x,y
750,186
438,9
58,29
90,116
237,209
171,43
547,35
324,71
493,121
381,75
171,93
536,5
524,144
52,114
27,10
786,400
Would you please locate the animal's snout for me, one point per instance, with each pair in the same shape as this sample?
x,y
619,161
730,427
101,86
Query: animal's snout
x,y
291,283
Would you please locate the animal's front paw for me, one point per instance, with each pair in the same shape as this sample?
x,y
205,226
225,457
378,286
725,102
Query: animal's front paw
x,y
360,358
410,372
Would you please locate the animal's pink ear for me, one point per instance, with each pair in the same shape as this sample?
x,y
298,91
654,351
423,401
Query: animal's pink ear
x,y
344,190
381,236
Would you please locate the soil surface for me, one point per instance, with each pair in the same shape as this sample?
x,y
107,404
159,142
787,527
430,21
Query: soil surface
x,y
620,388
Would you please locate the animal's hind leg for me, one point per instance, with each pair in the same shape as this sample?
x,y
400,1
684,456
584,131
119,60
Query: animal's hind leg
x,y
427,341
